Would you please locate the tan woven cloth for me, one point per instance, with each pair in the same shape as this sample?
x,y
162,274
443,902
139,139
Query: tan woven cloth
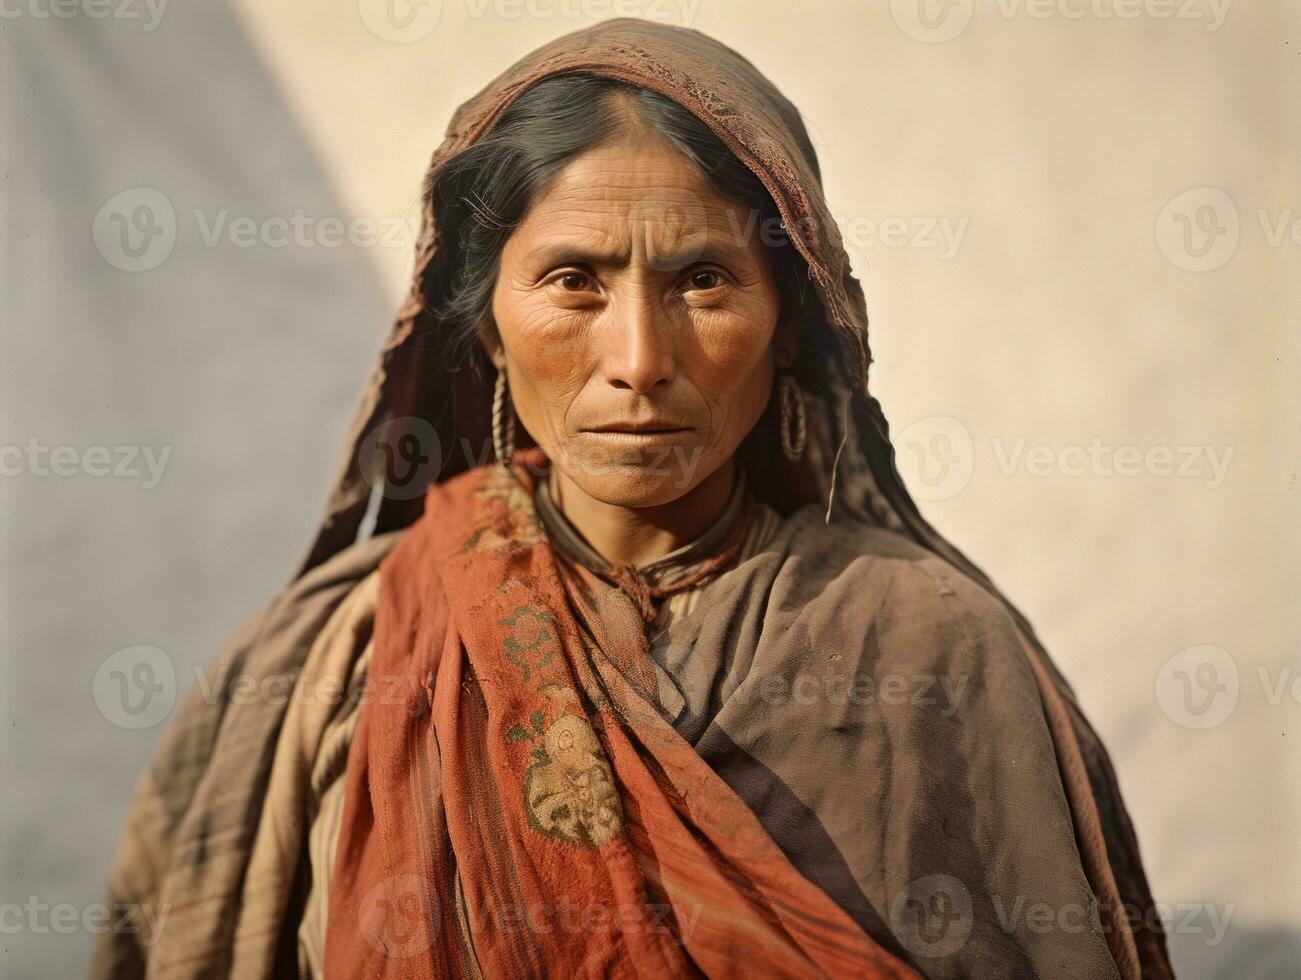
x,y
314,702
324,810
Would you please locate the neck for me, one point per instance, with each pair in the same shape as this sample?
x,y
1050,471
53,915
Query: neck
x,y
639,535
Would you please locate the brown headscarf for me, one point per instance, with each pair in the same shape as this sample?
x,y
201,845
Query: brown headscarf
x,y
416,377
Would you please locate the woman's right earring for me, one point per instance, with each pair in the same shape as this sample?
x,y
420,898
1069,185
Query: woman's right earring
x,y
793,430
503,421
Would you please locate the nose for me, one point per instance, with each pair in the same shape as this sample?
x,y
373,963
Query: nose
x,y
640,354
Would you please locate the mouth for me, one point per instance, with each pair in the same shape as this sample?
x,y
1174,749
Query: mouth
x,y
633,434
639,429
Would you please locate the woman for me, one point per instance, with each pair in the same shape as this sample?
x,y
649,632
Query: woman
x,y
673,680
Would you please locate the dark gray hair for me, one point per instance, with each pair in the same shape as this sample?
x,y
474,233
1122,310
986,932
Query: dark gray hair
x,y
483,193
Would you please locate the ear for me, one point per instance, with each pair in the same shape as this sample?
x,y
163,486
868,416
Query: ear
x,y
490,338
785,344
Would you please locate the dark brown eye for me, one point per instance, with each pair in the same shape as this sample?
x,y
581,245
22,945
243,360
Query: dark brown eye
x,y
705,279
573,281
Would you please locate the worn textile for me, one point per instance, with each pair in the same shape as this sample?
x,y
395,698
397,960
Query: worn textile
x,y
512,755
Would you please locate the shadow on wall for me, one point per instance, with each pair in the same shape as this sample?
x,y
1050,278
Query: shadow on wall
x,y
226,363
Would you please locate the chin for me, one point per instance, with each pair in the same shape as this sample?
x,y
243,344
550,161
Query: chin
x,y
642,480
633,486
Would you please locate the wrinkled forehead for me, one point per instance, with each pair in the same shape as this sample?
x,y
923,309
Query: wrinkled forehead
x,y
643,201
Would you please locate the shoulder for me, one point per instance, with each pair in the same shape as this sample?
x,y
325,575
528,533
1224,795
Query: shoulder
x,y
857,582
872,561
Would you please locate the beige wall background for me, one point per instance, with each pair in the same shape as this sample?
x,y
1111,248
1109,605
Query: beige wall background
x,y
1078,225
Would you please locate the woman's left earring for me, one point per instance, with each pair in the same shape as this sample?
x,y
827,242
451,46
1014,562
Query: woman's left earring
x,y
503,421
793,431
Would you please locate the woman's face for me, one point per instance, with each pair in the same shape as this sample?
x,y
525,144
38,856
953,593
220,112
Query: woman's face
x,y
637,315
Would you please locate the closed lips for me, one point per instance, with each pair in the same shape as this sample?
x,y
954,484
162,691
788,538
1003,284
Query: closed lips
x,y
647,427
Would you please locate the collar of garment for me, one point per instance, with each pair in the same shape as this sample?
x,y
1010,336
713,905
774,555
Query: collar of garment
x,y
664,571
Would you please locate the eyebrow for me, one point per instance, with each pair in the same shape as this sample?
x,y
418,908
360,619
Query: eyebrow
x,y
563,253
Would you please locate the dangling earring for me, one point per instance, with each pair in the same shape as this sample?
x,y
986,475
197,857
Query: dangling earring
x,y
503,422
792,417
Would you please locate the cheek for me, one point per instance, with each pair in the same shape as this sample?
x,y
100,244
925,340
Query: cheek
x,y
545,359
732,369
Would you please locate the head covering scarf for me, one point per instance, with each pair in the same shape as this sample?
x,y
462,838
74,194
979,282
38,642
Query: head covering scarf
x,y
417,378
510,761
